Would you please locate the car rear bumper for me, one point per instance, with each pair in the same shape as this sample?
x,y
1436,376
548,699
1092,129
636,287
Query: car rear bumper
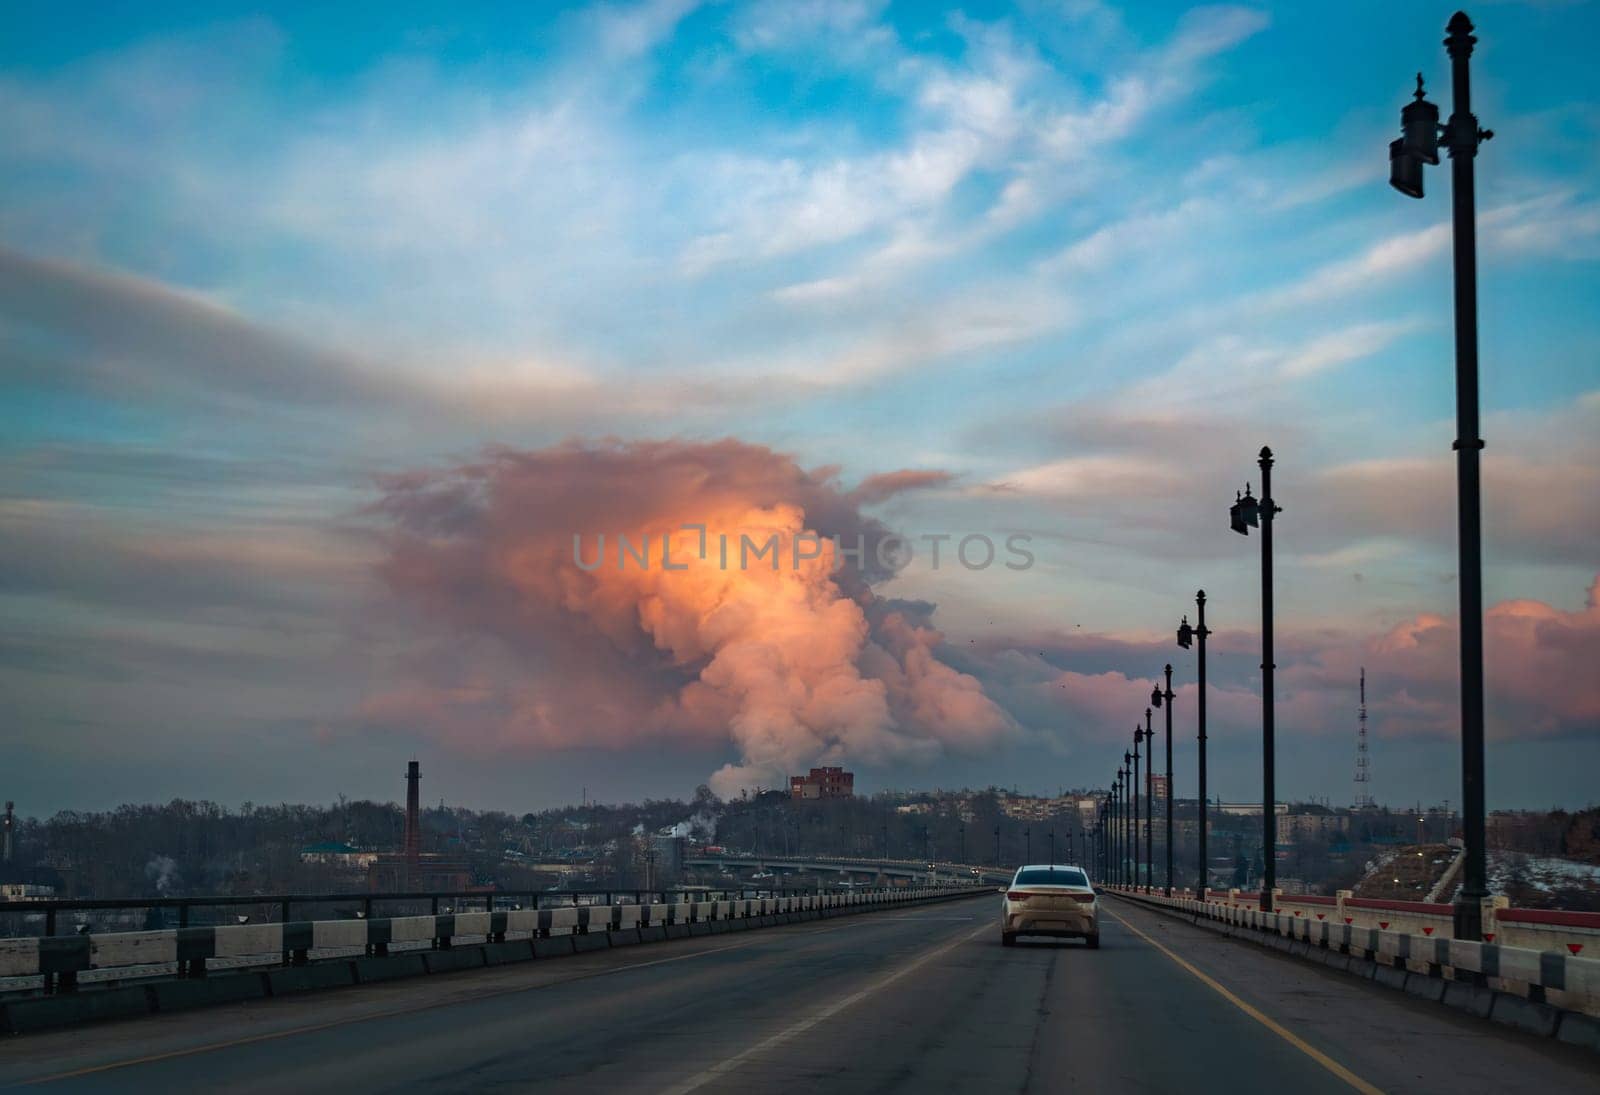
x,y
1051,922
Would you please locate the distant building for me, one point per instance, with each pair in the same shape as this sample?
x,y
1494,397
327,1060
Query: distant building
x,y
333,853
1293,828
823,783
1246,809
25,891
397,873
1158,786
668,851
1029,808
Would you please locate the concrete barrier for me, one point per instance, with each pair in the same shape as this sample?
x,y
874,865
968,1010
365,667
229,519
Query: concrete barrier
x,y
454,942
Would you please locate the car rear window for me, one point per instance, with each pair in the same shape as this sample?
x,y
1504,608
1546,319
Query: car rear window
x,y
1052,877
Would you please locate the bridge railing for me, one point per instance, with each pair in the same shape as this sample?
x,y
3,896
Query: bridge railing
x,y
50,916
58,960
1543,961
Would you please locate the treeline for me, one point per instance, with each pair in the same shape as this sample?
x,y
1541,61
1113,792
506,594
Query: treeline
x,y
186,848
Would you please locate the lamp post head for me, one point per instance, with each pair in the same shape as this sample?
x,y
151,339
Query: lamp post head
x,y
1405,170
1419,127
1461,39
1155,695
1245,512
1185,634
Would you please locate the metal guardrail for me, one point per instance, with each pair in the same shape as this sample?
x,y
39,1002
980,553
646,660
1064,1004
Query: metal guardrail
x,y
60,959
362,905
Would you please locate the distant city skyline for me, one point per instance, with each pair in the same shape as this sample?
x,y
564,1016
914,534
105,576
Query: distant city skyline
x,y
325,332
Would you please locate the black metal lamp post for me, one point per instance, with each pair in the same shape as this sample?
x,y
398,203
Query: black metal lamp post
x,y
1122,816
1138,738
1186,636
997,845
1419,122
1117,821
1149,804
1156,697
1108,835
1027,845
1052,847
1247,512
963,843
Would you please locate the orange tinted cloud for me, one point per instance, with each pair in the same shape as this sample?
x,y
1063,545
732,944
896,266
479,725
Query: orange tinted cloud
x,y
794,665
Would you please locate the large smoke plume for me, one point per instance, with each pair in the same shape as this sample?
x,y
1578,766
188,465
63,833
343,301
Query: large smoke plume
x,y
795,665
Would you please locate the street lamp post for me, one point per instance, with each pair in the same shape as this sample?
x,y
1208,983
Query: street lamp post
x,y
1138,738
963,844
1149,804
1420,144
1122,814
1187,635
1124,775
1156,697
1108,835
1052,847
1027,844
1246,511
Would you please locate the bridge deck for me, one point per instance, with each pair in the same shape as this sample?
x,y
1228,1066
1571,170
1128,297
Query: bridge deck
x,y
914,1001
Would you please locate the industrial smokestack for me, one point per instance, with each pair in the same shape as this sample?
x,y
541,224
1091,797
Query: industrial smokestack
x,y
413,846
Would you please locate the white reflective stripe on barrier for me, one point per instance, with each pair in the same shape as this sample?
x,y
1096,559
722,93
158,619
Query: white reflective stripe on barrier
x,y
472,923
338,933
1519,964
411,929
233,941
1466,954
563,921
19,957
133,948
522,920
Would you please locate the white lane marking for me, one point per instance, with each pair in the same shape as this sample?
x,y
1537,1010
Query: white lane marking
x,y
722,1068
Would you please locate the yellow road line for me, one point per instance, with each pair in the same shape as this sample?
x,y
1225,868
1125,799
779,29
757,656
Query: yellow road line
x,y
391,1013
1288,1036
722,1068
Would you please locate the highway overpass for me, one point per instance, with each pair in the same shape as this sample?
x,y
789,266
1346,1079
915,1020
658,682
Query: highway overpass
x,y
853,868
918,998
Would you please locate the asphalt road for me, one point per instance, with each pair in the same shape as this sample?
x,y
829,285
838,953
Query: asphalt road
x,y
917,1000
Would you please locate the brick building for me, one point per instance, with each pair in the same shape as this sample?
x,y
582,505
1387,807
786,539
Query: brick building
x,y
823,783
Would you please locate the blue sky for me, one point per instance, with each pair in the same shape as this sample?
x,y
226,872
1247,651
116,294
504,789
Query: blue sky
x,y
1082,259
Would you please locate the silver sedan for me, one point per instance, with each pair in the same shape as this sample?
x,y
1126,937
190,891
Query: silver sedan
x,y
1051,900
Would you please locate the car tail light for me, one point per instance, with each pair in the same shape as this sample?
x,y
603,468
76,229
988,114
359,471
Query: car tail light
x,y
1017,895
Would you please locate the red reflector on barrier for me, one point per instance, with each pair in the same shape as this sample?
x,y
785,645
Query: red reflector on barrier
x,y
1488,937
1427,931
1349,920
1321,915
1384,924
1574,947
